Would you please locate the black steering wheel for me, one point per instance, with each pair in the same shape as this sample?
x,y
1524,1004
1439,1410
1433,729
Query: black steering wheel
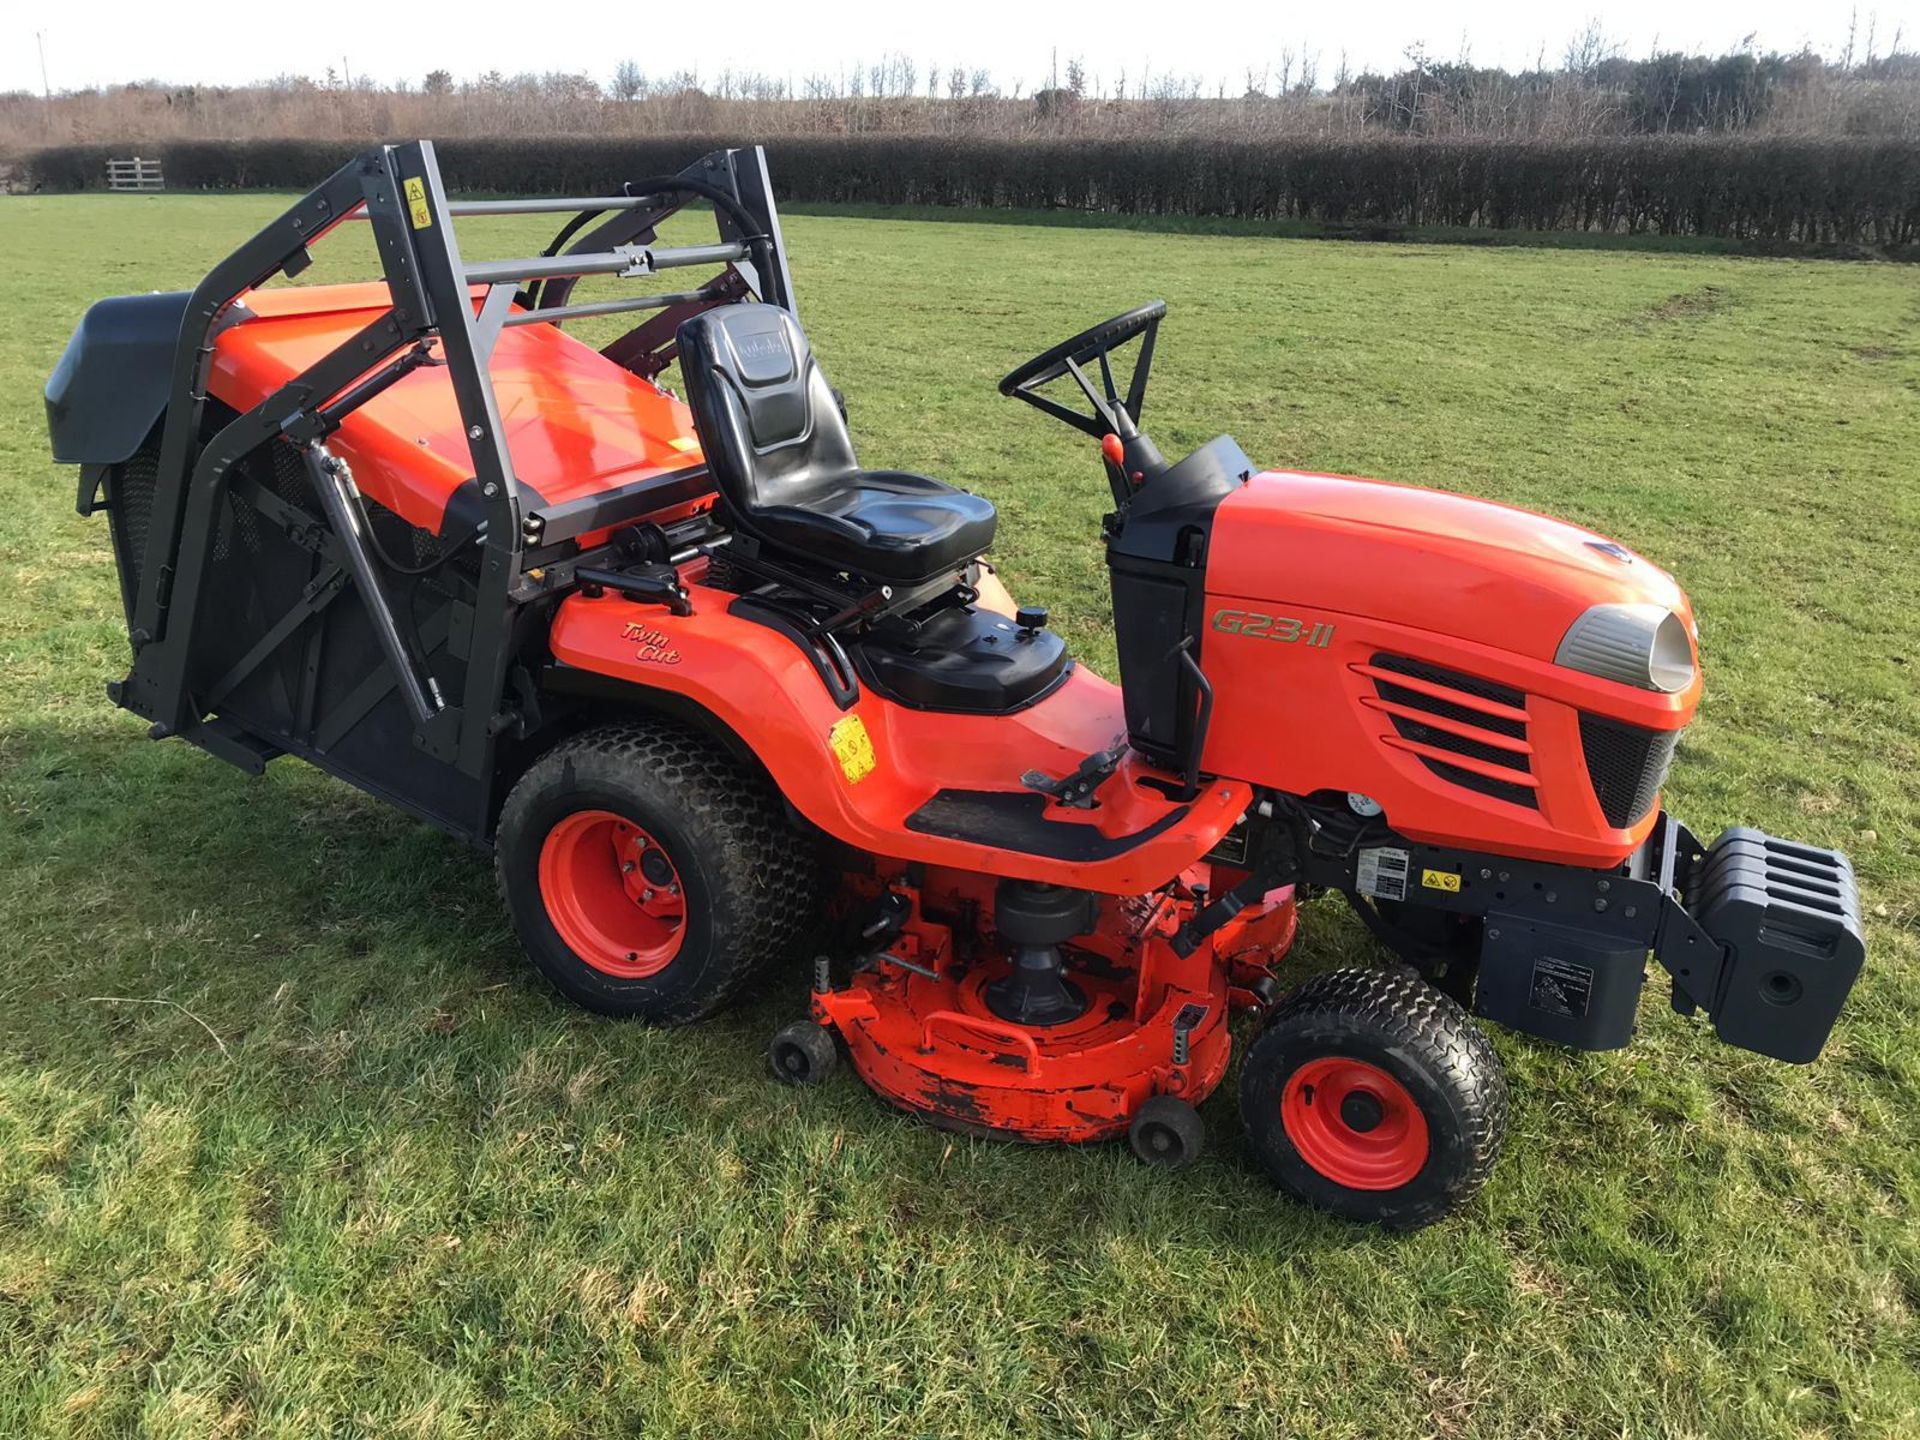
x,y
1088,345
1130,456
1111,414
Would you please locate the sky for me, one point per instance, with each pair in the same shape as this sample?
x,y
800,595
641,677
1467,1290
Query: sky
x,y
96,42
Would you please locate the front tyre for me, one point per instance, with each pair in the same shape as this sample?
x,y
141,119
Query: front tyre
x,y
648,873
1371,1094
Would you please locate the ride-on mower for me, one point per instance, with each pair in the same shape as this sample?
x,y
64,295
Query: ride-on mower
x,y
716,695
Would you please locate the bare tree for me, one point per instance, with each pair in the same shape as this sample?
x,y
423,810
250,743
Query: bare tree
x,y
1582,88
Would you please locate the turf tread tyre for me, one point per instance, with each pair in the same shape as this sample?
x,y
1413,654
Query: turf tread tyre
x,y
719,821
1395,1019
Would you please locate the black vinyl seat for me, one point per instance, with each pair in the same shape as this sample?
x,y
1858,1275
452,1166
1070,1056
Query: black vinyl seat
x,y
780,453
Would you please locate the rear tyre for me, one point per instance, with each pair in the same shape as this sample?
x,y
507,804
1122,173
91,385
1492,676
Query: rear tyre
x,y
648,873
802,1053
1371,1094
1167,1132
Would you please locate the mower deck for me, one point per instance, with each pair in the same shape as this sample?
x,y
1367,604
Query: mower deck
x,y
919,1025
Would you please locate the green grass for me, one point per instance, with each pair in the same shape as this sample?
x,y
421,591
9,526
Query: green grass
x,y
292,1143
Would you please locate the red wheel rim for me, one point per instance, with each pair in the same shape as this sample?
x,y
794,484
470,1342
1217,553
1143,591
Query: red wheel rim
x,y
613,894
1354,1123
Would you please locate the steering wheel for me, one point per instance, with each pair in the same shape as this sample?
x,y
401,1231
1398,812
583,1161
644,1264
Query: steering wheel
x,y
1093,344
1131,458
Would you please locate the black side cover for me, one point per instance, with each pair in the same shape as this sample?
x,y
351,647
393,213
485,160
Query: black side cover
x,y
112,381
1156,561
964,660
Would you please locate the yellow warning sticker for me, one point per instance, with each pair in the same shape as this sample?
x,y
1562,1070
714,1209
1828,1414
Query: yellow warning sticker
x,y
417,207
853,748
1440,880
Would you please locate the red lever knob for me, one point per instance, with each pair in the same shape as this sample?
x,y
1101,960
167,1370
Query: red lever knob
x,y
1111,447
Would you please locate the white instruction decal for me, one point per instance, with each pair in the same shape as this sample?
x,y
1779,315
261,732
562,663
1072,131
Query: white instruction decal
x,y
1383,874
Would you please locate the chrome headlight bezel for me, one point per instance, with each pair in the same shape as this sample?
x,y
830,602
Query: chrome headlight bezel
x,y
1646,646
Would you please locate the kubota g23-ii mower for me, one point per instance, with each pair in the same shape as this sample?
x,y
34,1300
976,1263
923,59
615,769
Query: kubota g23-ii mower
x,y
712,691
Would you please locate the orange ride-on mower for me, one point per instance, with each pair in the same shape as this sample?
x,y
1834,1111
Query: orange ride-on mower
x,y
677,662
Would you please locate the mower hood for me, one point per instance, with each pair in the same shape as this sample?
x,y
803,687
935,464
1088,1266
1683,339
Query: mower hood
x,y
1474,569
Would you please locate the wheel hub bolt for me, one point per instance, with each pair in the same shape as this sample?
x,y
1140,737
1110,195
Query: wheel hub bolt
x,y
1360,1111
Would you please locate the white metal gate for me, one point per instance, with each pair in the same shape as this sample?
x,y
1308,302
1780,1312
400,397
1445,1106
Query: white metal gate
x,y
134,174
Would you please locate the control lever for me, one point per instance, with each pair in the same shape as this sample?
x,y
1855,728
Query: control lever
x,y
1076,790
648,584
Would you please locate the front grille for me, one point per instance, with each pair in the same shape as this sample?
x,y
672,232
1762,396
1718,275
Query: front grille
x,y
1627,766
1443,732
1482,784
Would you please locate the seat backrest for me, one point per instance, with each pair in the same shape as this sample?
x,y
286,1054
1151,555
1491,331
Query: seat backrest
x,y
768,423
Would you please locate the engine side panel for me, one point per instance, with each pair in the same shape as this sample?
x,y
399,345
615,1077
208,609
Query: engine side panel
x,y
1300,706
1399,643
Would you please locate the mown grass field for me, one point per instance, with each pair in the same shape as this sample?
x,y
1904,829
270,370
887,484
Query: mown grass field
x,y
292,1143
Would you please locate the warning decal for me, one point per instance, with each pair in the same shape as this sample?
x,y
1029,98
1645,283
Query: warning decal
x,y
853,748
417,208
1561,987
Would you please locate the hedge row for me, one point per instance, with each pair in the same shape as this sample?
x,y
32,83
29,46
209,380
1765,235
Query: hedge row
x,y
1777,190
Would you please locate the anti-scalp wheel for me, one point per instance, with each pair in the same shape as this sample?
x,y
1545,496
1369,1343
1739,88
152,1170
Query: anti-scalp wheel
x,y
802,1053
648,873
1372,1094
1167,1131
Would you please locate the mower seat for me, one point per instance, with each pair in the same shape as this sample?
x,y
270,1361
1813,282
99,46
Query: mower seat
x,y
779,452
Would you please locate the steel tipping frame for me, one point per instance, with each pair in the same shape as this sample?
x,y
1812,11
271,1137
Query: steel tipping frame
x,y
399,190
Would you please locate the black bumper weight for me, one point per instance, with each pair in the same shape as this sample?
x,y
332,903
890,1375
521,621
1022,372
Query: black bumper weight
x,y
1789,916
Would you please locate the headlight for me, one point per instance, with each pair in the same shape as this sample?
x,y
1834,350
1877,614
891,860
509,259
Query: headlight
x,y
1642,645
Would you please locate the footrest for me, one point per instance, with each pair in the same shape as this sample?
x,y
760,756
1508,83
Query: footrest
x,y
1788,916
221,737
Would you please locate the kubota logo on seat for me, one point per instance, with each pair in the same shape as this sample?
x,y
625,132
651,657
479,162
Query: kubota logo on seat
x,y
655,648
761,347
